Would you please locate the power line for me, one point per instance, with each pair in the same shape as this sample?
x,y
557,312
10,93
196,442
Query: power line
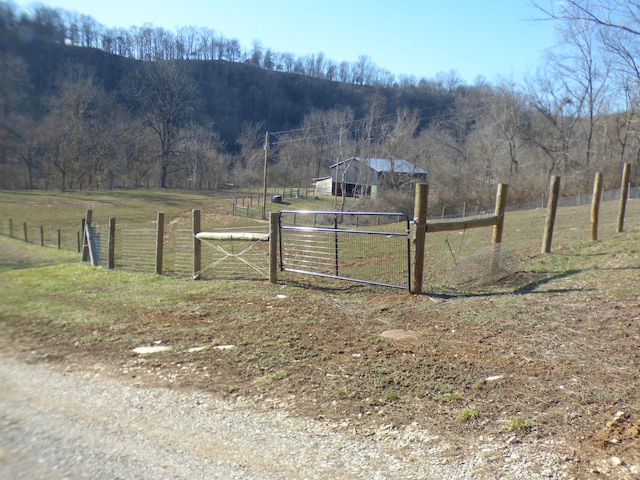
x,y
334,127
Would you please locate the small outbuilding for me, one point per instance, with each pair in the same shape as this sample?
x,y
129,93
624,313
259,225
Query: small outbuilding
x,y
360,176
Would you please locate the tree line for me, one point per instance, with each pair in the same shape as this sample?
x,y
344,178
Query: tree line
x,y
74,116
151,43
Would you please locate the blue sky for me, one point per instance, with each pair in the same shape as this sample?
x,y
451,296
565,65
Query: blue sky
x,y
489,38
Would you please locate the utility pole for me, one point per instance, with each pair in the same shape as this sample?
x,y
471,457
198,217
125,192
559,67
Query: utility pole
x,y
264,180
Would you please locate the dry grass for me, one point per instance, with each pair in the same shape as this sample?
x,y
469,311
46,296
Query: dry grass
x,y
549,349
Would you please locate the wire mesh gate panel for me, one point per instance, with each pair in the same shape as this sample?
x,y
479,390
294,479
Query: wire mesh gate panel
x,y
366,247
235,254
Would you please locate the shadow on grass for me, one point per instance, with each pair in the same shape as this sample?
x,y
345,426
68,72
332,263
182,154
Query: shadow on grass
x,y
532,286
529,288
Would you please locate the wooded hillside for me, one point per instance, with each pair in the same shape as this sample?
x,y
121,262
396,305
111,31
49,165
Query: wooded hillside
x,y
88,107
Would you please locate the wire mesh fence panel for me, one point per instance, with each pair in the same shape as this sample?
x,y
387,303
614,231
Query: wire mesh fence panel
x,y
467,258
178,253
101,246
341,245
70,240
136,250
235,254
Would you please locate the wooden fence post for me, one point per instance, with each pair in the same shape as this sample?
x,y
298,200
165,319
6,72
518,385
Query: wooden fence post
x,y
595,206
273,247
11,228
624,192
498,228
552,208
41,236
420,221
111,263
24,231
501,203
59,239
159,243
197,246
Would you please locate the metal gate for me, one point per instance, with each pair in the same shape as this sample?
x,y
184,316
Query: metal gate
x,y
366,247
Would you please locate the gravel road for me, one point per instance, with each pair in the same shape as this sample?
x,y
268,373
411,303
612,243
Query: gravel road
x,y
58,422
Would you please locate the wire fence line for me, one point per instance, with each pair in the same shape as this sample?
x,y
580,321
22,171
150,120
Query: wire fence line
x,y
578,200
568,201
135,248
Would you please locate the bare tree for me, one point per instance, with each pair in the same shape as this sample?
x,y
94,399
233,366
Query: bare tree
x,y
76,129
397,139
166,96
207,166
251,157
552,129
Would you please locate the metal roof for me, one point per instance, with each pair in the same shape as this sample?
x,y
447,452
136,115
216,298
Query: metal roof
x,y
384,165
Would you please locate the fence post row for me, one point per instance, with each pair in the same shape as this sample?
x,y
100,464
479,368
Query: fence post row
x,y
87,247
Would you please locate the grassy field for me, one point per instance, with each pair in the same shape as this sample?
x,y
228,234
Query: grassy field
x,y
549,350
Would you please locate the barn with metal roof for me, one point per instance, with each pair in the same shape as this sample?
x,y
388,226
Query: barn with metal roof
x,y
364,176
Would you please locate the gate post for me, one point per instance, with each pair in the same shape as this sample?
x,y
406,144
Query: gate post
x,y
498,228
197,255
111,263
420,220
159,243
273,246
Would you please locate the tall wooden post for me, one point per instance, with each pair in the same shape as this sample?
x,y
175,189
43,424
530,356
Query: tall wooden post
x,y
24,232
552,208
273,246
624,192
197,253
498,228
41,236
420,221
264,179
501,203
159,243
111,262
595,206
